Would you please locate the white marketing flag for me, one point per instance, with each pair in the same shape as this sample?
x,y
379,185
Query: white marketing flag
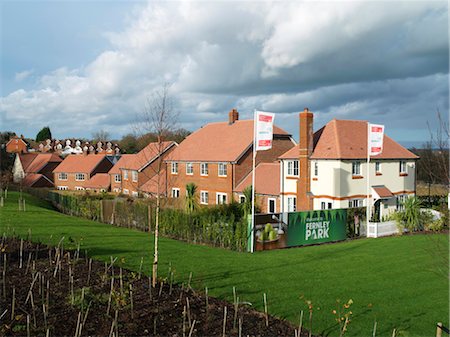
x,y
375,140
264,130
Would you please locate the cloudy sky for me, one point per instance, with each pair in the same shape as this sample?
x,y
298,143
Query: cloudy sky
x,y
81,66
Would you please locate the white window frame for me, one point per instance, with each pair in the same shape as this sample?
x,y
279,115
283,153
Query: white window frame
x,y
61,176
174,168
78,175
274,205
221,198
116,190
291,204
222,169
400,200
175,192
293,168
126,191
241,199
204,197
125,174
316,168
354,203
134,194
62,188
204,170
323,205
189,169
402,167
377,167
117,178
79,188
134,176
356,168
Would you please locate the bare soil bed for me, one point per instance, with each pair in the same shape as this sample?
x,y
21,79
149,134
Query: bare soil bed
x,y
50,291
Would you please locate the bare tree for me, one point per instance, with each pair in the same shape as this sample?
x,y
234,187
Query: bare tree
x,y
100,135
159,118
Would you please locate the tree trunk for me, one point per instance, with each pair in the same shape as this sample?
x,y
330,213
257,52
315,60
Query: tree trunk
x,y
155,259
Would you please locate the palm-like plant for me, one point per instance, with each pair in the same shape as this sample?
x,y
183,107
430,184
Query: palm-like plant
x,y
191,198
412,217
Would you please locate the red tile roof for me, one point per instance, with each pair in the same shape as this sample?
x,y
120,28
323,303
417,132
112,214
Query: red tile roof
x,y
148,154
267,179
99,180
32,178
216,142
347,139
74,163
382,191
41,160
121,163
26,159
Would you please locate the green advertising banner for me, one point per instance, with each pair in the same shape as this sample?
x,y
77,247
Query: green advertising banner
x,y
312,227
300,228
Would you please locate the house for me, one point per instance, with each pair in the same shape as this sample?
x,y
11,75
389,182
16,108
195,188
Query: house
x,y
139,172
35,170
76,171
217,157
267,187
17,145
328,169
115,174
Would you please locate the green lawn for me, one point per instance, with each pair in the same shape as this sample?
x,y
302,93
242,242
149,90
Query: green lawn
x,y
401,282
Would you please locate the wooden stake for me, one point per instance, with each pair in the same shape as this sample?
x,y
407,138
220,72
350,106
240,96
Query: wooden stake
x,y
300,324
131,300
374,329
224,321
21,253
192,328
13,305
140,267
188,311
89,272
28,325
265,309
439,330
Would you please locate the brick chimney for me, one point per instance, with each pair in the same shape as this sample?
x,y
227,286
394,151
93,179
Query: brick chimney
x,y
304,198
233,116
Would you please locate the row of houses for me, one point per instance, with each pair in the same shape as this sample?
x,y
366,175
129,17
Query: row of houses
x,y
327,169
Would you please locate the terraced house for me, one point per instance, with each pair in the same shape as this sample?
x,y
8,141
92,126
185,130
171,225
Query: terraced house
x,y
217,157
76,171
328,169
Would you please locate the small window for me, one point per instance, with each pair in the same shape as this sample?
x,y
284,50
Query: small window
x,y
292,168
62,176
134,176
189,168
125,175
222,169
174,168
204,197
204,169
402,166
134,193
241,199
78,188
62,188
292,204
271,205
117,178
79,176
125,191
377,167
322,205
353,203
316,169
221,198
175,192
356,168
400,202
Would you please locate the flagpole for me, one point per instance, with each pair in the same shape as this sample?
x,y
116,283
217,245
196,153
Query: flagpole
x,y
368,179
252,239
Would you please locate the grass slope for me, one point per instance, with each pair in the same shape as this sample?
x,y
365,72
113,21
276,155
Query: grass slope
x,y
401,282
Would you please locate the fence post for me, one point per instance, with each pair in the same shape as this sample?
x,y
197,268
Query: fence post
x,y
101,210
